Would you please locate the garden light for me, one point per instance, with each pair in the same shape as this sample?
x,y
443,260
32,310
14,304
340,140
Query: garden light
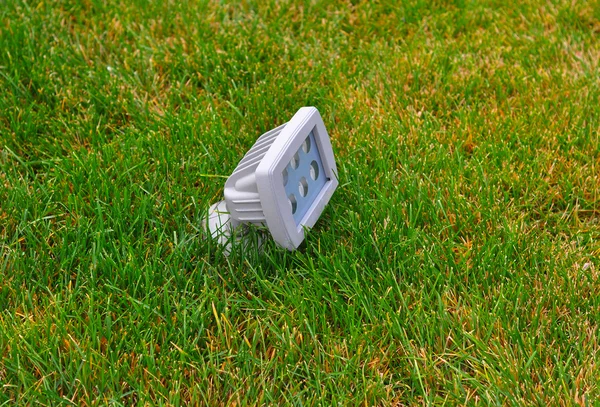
x,y
283,182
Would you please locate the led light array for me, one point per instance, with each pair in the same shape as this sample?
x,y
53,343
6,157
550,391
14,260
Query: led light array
x,y
303,177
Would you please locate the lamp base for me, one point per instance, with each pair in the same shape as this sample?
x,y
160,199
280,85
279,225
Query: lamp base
x,y
218,223
227,231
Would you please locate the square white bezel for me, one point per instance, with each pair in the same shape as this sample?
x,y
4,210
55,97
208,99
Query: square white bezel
x,y
269,177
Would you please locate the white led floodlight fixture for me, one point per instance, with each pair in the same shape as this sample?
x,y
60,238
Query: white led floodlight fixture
x,y
283,182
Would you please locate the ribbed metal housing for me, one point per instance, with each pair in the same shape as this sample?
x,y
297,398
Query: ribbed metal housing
x,y
241,193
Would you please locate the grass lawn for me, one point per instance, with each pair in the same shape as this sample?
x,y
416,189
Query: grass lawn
x,y
457,263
